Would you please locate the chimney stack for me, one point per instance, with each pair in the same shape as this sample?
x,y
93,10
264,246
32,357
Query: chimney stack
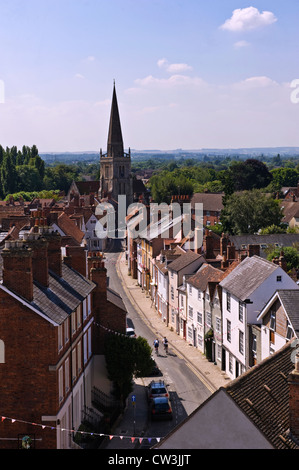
x,y
17,269
98,275
223,244
39,248
54,251
208,245
76,256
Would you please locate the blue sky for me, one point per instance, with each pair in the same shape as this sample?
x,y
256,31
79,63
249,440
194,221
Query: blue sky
x,y
189,74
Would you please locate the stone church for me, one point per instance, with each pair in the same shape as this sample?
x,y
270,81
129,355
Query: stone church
x,y
115,165
115,169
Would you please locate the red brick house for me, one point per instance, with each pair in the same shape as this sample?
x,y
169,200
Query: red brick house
x,y
49,320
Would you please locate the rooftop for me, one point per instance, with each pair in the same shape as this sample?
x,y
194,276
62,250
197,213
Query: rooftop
x,y
248,276
184,260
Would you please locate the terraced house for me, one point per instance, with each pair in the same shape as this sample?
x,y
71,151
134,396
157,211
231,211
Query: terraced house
x,y
245,292
49,341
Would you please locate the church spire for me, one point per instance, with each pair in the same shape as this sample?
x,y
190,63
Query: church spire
x,y
115,147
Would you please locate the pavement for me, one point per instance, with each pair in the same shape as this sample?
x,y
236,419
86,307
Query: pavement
x,y
129,431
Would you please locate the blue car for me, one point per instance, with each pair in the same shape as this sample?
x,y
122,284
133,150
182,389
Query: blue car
x,y
160,408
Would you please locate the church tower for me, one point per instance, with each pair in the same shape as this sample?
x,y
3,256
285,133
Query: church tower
x,y
115,166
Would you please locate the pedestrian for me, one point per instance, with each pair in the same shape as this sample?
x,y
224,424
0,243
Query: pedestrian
x,y
156,345
165,342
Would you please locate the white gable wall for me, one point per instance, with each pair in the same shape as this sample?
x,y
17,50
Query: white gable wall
x,y
217,424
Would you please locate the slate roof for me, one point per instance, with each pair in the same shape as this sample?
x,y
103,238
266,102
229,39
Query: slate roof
x,y
114,298
248,276
262,393
280,239
184,260
289,299
62,296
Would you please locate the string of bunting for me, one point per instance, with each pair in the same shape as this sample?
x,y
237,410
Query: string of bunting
x,y
111,436
109,330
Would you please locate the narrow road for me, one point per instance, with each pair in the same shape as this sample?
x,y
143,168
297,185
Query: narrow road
x,y
186,389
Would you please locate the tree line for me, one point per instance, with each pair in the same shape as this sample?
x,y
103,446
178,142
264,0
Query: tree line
x,y
23,170
223,175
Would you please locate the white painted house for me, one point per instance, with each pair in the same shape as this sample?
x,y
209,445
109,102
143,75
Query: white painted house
x,y
187,263
162,288
201,292
245,292
95,234
280,321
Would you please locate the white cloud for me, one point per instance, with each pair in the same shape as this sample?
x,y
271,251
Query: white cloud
x,y
162,62
246,19
173,80
173,68
177,68
241,44
256,82
79,75
91,58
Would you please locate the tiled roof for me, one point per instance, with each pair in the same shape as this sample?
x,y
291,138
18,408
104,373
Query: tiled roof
x,y
69,227
204,275
210,201
63,295
184,260
262,393
248,276
290,209
87,187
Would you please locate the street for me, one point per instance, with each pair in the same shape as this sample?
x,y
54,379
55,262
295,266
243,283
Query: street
x,y
186,389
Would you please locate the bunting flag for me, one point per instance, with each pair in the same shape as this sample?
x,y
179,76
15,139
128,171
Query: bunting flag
x,y
109,330
110,436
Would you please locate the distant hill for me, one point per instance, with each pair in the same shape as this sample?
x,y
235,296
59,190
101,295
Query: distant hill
x,y
92,156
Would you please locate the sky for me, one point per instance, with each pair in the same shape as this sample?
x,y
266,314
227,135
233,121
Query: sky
x,y
189,74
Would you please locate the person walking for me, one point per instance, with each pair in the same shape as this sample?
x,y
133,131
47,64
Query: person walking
x,y
165,342
156,345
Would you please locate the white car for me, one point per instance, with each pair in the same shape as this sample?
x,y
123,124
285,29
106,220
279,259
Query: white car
x,y
130,332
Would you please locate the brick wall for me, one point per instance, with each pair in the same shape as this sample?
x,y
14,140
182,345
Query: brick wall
x,y
28,388
17,269
107,315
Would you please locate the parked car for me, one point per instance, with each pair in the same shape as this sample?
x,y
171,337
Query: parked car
x,y
157,389
160,408
130,332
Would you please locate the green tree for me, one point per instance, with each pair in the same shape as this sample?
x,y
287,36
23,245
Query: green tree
x,y
247,175
291,255
125,358
2,153
284,177
167,184
249,212
273,229
8,175
28,178
60,177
